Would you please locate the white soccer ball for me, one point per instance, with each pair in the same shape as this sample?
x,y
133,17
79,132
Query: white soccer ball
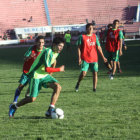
x,y
57,114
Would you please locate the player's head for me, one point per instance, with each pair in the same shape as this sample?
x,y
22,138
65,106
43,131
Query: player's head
x,y
89,28
58,44
116,23
109,26
39,42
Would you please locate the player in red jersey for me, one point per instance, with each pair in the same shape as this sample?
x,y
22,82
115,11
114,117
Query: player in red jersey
x,y
32,55
87,51
113,46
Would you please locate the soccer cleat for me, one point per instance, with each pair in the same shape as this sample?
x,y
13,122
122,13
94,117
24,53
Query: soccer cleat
x,y
77,87
12,110
111,76
49,111
120,71
94,90
12,104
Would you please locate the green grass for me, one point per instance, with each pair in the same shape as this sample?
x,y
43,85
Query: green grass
x,y
112,113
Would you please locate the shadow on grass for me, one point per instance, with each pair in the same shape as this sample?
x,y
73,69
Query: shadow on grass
x,y
30,117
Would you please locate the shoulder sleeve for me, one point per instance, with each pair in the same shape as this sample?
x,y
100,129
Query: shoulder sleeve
x,y
79,41
28,53
97,41
48,57
121,35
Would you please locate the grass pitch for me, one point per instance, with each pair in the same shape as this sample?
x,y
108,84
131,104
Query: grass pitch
x,y
112,113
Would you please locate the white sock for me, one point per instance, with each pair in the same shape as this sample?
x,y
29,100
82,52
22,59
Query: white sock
x,y
52,106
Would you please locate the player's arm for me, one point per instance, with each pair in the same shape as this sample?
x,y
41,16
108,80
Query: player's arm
x,y
28,55
53,65
79,55
51,70
100,50
79,43
48,68
121,42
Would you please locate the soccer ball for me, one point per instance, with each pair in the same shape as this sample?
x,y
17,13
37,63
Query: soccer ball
x,y
57,114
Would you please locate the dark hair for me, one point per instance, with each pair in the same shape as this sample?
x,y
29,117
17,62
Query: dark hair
x,y
88,25
38,38
109,25
58,40
116,20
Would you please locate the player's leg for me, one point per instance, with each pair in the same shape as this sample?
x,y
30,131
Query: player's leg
x,y
27,94
94,69
95,79
84,69
114,67
68,46
34,90
81,76
17,93
115,59
56,92
108,64
119,67
23,81
50,82
24,101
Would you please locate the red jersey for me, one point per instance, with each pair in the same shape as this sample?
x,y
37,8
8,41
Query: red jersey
x,y
88,49
112,41
28,63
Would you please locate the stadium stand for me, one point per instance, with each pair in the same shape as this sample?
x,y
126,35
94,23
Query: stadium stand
x,y
23,13
36,13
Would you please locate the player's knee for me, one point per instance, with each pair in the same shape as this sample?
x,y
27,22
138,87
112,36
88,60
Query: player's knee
x,y
84,73
58,87
20,87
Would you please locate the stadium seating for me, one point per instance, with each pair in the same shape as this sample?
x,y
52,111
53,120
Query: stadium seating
x,y
21,13
31,13
132,28
103,12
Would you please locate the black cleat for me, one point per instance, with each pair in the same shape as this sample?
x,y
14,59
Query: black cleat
x,y
76,87
49,111
94,90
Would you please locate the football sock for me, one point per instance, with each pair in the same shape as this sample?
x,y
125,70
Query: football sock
x,y
52,105
110,70
17,93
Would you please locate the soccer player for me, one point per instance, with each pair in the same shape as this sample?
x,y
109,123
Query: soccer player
x,y
124,47
42,78
33,53
113,46
67,38
88,45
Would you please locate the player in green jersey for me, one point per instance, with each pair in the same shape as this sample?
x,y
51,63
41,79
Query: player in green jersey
x,y
67,38
41,77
